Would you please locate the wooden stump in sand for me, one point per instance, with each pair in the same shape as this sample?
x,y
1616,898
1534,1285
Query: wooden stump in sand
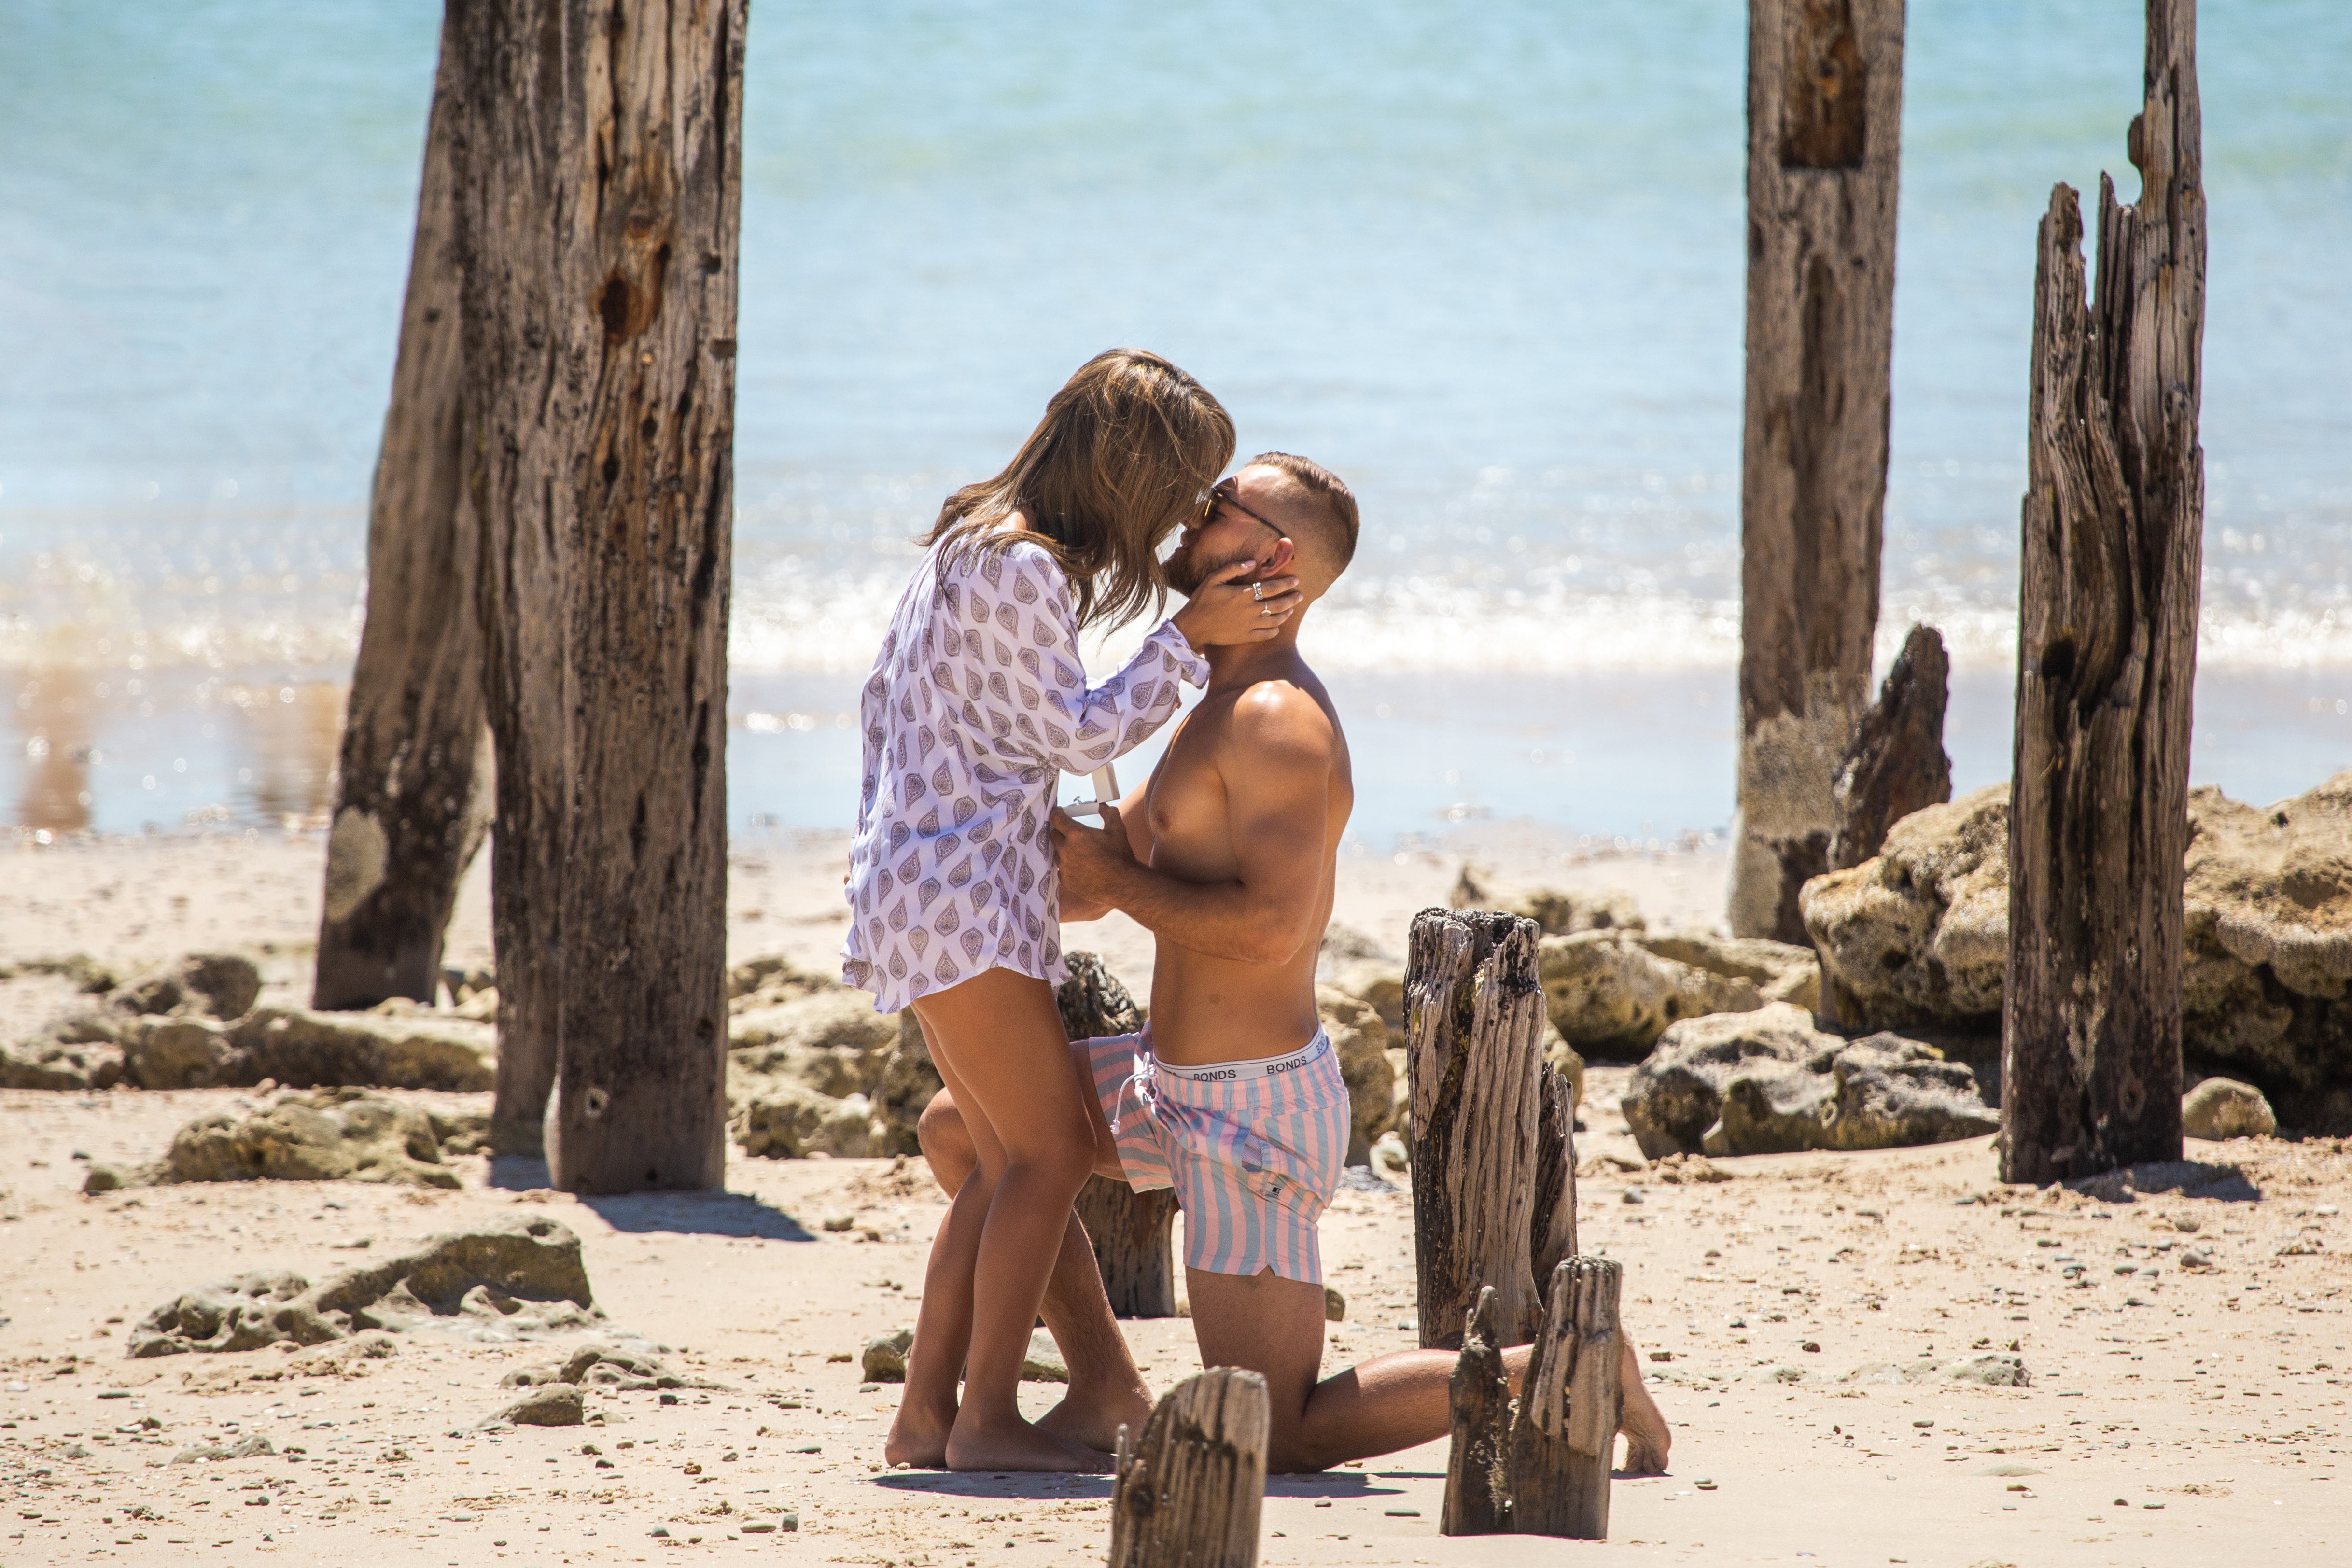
x,y
1492,1164
1541,1467
599,183
411,788
2112,552
1133,1233
1897,764
1824,113
1187,1493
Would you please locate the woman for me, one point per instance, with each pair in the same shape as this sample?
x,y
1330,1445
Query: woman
x,y
977,704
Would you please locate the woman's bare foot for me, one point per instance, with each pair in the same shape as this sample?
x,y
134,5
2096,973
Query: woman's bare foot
x,y
1647,1439
1093,1417
919,1437
974,1444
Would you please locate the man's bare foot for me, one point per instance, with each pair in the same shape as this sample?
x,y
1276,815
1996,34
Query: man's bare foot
x,y
1017,1446
1647,1439
919,1437
1093,1416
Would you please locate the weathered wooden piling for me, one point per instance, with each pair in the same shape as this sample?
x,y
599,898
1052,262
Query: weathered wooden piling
x,y
1824,114
1134,1234
413,781
1482,1134
2111,556
599,187
1188,1492
1541,1466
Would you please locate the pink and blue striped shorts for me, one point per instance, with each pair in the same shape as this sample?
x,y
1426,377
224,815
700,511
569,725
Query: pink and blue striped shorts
x,y
1253,1148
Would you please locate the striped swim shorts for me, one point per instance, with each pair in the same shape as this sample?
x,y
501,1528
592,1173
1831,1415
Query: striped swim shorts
x,y
1253,1148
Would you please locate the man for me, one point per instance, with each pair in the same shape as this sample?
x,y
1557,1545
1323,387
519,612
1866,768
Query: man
x,y
1233,1096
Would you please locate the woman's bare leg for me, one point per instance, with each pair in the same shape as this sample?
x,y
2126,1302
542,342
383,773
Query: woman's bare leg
x,y
999,1043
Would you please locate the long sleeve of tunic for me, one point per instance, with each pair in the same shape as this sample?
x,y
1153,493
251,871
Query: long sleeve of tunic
x,y
977,704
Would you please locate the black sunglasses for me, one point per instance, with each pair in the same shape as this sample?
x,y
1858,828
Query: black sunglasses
x,y
1228,492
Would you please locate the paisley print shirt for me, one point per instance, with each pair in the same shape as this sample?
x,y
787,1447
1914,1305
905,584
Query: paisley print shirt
x,y
977,704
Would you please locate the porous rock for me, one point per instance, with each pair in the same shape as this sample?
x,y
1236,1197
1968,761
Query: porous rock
x,y
839,1019
211,985
780,1117
72,1054
2224,1108
521,1273
555,1405
1770,1082
606,1366
306,1049
1995,1368
1610,997
1780,972
341,1135
1919,935
1378,983
1361,1041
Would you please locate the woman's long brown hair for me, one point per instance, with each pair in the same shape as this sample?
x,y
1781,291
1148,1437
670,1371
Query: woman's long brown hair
x,y
1117,464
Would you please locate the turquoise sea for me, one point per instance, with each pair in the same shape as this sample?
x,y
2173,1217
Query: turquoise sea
x,y
1485,259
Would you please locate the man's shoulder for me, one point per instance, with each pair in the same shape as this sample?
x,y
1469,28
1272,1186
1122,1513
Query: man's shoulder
x,y
1287,713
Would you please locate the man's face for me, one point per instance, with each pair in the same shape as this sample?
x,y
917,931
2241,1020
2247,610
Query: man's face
x,y
1229,533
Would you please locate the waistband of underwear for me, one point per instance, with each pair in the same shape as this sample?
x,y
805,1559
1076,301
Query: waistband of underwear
x,y
1252,1071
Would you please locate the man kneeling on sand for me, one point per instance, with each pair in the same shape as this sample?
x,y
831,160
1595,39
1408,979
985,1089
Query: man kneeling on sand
x,y
1233,1095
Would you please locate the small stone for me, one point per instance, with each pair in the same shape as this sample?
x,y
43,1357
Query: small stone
x,y
552,1405
1813,1346
1633,1195
2224,1108
1661,1355
1335,1305
1705,1485
669,1399
840,1222
886,1356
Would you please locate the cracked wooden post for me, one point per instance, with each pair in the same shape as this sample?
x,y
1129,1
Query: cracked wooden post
x,y
2112,555
1824,113
600,180
1477,1477
1897,763
1188,1494
1474,1032
1134,1234
1564,1437
411,783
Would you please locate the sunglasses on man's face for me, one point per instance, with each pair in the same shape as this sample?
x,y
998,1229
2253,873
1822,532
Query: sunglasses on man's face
x,y
1226,493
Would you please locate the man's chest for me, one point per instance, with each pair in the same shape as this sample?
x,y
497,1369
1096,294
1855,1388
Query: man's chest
x,y
1191,834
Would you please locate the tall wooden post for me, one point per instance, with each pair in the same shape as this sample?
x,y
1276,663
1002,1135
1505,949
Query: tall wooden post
x,y
1134,1234
1486,1196
598,219
1824,113
2113,551
410,794
1188,1492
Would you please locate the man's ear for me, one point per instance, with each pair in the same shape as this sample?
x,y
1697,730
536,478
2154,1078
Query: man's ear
x,y
1278,561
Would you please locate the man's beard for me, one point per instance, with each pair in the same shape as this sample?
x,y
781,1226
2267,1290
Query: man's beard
x,y
1188,569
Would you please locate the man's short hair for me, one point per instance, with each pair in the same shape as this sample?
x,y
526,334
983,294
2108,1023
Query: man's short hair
x,y
1328,494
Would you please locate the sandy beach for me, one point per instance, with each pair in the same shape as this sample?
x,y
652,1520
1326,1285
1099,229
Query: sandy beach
x,y
2173,1410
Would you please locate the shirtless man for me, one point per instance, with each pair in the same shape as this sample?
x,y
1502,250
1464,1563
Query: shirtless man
x,y
1233,1094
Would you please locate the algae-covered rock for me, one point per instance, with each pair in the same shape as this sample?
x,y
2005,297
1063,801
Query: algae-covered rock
x,y
1770,1082
345,1135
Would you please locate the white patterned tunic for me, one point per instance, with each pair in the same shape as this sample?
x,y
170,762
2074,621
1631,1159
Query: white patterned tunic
x,y
977,704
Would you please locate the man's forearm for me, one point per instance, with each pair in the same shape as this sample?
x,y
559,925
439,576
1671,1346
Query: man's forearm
x,y
1224,920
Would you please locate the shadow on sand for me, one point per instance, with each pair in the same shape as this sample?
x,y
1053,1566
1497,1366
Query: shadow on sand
x,y
2190,1178
997,1484
739,1214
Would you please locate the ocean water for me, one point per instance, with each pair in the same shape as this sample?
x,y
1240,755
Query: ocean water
x,y
1485,259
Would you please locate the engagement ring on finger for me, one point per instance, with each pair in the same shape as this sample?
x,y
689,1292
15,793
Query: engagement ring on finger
x,y
1257,590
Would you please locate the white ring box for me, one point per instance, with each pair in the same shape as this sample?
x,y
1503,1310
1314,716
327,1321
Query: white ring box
x,y
1106,784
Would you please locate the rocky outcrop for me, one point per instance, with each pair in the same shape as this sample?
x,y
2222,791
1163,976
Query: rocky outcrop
x,y
166,1029
1920,936
345,1135
1780,972
205,984
1770,1082
519,1275
1610,997
304,1049
556,1405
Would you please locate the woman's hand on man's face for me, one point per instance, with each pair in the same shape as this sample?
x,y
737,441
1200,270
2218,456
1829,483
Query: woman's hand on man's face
x,y
1228,608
